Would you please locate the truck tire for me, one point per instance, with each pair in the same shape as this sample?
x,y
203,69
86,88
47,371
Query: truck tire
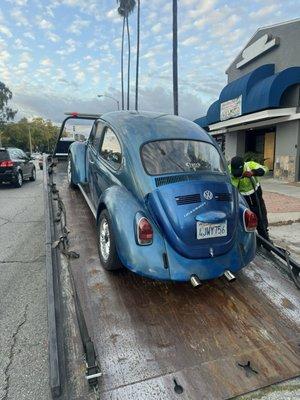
x,y
106,243
70,173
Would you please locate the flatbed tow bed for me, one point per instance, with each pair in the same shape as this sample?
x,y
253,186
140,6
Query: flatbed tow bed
x,y
158,340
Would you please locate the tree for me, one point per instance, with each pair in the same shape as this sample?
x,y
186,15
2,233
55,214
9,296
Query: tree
x,y
137,54
175,59
6,113
125,8
43,134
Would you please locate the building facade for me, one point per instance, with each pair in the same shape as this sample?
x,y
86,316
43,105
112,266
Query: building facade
x,y
258,111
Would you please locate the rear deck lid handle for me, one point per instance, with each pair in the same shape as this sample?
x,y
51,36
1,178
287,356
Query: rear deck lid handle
x,y
211,217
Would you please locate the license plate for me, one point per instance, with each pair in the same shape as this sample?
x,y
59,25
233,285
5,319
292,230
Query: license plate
x,y
208,231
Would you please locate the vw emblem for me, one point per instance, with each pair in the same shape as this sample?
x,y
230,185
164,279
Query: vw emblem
x,y
208,195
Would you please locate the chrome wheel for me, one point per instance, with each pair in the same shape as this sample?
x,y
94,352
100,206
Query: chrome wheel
x,y
69,171
104,239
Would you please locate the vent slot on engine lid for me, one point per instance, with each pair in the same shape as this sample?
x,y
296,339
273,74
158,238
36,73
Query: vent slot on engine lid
x,y
166,180
223,196
188,199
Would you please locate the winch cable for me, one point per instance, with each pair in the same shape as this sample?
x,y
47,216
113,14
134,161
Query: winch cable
x,y
293,266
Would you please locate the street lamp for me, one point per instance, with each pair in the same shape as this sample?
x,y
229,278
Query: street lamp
x,y
110,97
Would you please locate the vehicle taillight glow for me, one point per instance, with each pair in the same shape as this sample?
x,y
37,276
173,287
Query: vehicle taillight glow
x,y
250,221
6,163
144,232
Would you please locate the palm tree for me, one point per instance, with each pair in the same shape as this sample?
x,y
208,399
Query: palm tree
x,y
125,8
137,55
175,59
122,64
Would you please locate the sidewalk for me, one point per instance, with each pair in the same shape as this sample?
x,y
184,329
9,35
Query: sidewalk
x,y
282,200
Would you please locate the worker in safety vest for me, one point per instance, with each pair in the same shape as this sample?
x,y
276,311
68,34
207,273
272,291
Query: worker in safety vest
x,y
245,176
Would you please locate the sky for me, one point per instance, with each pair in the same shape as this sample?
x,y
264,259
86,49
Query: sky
x,y
57,55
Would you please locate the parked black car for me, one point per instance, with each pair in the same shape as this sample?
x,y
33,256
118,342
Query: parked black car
x,y
15,166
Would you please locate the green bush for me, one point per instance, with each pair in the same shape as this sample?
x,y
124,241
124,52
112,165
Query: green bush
x,y
252,156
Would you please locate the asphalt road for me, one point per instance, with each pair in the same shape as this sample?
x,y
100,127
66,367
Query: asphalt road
x,y
23,302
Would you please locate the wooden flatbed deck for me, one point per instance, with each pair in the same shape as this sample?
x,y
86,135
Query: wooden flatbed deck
x,y
149,334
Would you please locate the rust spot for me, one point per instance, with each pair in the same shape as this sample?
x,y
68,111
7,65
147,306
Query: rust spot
x,y
114,338
97,286
286,303
94,271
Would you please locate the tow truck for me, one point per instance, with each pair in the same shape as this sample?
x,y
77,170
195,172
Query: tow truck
x,y
147,339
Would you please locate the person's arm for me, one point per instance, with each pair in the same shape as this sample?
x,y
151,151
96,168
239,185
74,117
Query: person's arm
x,y
256,169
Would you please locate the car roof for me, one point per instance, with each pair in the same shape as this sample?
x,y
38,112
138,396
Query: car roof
x,y
143,126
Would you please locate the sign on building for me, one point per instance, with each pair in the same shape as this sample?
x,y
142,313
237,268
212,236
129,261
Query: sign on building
x,y
259,47
231,108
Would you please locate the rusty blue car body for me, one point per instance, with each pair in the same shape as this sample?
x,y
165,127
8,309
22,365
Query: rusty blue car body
x,y
171,172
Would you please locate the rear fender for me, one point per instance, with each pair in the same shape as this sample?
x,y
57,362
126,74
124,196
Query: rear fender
x,y
77,151
144,260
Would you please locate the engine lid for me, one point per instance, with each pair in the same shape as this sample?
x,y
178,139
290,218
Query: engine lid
x,y
198,218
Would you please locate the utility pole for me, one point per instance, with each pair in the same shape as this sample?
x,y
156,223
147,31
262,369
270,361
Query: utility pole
x,y
175,59
30,144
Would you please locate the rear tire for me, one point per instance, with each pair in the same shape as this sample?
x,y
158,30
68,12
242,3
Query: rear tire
x,y
70,173
106,243
33,175
19,180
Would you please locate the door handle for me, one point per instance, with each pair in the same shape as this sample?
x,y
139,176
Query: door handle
x,y
91,162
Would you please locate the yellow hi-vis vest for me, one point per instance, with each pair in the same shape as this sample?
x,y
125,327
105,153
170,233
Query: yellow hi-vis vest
x,y
244,185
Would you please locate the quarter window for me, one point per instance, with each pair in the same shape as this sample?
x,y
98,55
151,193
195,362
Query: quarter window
x,y
111,149
96,136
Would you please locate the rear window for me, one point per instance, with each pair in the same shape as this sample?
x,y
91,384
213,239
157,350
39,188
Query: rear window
x,y
4,155
172,156
63,146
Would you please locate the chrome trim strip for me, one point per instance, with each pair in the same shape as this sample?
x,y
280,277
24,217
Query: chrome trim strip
x,y
89,203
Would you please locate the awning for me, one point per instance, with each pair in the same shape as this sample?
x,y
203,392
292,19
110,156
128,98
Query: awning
x,y
258,90
260,118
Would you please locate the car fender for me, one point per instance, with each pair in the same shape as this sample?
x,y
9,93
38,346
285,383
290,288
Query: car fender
x,y
123,207
77,151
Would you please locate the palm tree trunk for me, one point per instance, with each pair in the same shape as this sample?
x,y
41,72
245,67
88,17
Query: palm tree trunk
x,y
122,63
175,59
128,71
137,56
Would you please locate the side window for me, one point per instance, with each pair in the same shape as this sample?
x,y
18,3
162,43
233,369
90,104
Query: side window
x,y
14,154
20,154
23,155
95,138
111,149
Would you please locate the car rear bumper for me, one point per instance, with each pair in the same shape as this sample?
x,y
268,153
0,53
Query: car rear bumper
x,y
240,255
180,268
8,176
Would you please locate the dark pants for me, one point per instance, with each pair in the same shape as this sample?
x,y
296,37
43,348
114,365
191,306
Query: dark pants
x,y
257,205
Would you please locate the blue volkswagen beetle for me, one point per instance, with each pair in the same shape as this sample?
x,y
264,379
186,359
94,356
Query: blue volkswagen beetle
x,y
161,194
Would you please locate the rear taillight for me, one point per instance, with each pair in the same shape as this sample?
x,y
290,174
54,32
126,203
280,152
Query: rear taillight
x,y
144,232
6,163
250,221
